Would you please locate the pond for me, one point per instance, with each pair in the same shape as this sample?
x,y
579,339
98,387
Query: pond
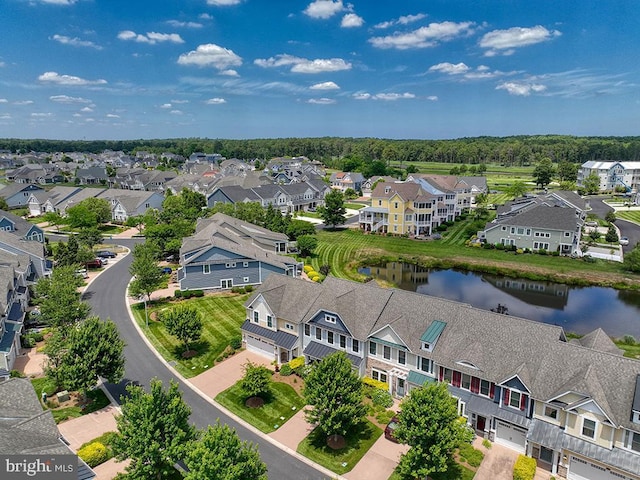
x,y
576,309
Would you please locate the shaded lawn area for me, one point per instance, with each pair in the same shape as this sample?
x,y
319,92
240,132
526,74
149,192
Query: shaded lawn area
x,y
222,316
96,400
315,448
454,472
283,402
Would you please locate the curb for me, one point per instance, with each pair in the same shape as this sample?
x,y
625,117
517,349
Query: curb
x,y
248,426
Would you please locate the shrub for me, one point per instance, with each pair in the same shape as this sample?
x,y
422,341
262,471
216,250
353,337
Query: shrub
x,y
303,371
286,370
220,358
198,293
542,251
296,363
28,342
472,456
375,383
237,289
486,443
248,288
382,398
499,246
236,343
94,454
177,294
307,268
16,374
525,468
315,278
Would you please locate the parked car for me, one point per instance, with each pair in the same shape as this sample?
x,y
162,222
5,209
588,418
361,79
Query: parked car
x,y
166,269
592,224
95,263
82,273
624,241
390,428
105,254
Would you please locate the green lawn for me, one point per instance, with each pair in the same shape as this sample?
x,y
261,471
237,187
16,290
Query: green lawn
x,y
279,407
315,448
98,400
455,472
630,215
222,317
343,249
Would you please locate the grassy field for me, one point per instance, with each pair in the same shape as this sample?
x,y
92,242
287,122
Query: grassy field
x,y
222,317
345,249
629,215
280,406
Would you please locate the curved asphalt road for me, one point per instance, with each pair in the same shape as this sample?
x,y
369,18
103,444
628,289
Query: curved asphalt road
x,y
627,229
106,295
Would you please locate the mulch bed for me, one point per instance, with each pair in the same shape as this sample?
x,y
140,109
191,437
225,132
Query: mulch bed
x,y
336,442
254,402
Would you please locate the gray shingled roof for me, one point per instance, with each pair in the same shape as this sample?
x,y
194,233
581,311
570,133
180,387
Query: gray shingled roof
x,y
280,338
542,216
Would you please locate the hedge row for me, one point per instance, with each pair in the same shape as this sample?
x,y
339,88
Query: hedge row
x,y
188,293
524,468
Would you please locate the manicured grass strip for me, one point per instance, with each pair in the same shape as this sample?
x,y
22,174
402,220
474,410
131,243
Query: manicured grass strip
x,y
315,448
454,472
222,316
280,406
629,215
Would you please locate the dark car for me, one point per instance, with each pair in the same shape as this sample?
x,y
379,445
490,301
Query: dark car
x,y
166,269
95,263
390,428
105,254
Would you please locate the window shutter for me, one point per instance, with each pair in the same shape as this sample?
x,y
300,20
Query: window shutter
x,y
441,374
475,384
505,397
523,401
457,376
492,390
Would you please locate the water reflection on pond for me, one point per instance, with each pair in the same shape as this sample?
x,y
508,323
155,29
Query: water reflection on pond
x,y
576,309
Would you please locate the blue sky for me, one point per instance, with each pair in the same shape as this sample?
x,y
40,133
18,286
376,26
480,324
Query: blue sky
x,y
110,69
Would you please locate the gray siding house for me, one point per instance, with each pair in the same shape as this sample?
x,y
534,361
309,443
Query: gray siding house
x,y
226,252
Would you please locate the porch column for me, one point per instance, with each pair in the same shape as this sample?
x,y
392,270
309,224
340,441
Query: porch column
x,y
554,463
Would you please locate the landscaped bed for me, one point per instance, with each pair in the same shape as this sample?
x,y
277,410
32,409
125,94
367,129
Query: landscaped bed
x,y
76,406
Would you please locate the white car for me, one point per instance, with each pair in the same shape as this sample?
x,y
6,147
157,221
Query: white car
x,y
624,241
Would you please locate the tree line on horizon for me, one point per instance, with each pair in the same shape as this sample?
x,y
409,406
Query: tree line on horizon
x,y
508,151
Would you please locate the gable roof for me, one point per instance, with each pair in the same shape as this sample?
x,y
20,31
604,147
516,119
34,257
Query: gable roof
x,y
541,216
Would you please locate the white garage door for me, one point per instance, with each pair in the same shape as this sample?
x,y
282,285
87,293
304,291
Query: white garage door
x,y
580,469
258,345
511,436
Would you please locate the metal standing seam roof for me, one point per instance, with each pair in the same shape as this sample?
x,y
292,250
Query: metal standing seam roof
x,y
433,332
281,339
319,351
419,378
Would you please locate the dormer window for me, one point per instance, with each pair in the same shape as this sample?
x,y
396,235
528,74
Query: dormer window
x,y
426,346
330,318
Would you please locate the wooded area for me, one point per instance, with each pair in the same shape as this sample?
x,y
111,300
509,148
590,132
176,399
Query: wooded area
x,y
508,151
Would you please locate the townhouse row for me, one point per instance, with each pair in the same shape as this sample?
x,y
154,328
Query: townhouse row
x,y
572,405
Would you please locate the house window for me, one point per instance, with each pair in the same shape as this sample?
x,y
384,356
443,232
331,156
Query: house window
x,y
318,333
245,264
466,381
256,317
550,412
395,204
386,352
269,321
228,283
330,318
589,428
504,229
355,345
379,375
402,357
230,265
567,234
343,341
373,348
425,346
514,399
485,388
330,337
288,326
424,364
379,203
307,330
245,279
632,440
407,218
206,269
447,375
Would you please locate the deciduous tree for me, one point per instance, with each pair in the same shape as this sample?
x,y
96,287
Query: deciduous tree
x,y
219,454
153,431
592,183
256,381
335,392
430,425
59,299
183,322
632,259
307,244
148,277
333,210
543,172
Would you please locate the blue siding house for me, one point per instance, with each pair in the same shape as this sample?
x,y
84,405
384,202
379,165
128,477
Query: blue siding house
x,y
226,252
20,227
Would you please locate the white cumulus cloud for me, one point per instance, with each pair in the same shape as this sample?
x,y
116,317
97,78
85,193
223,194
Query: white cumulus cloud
x,y
393,96
75,42
450,68
223,3
23,102
112,115
321,101
424,37
323,8
230,72
404,20
432,98
361,96
351,20
180,24
215,101
151,37
4,100
68,99
325,86
504,42
210,55
54,77
521,89
304,65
